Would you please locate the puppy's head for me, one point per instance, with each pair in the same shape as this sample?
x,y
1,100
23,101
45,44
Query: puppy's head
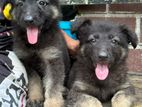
x,y
35,15
104,43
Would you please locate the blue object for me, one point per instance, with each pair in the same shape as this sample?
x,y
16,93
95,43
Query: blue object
x,y
66,26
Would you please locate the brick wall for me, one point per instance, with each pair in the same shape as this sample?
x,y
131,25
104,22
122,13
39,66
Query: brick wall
x,y
129,14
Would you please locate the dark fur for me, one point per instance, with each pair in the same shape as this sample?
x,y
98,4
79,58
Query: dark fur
x,y
101,42
47,60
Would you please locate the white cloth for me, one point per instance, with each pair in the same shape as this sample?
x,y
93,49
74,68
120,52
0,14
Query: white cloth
x,y
14,85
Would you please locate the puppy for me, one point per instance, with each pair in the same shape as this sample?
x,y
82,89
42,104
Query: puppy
x,y
40,45
98,77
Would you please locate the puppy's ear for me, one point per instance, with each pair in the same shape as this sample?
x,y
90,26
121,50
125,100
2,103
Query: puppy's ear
x,y
131,36
78,24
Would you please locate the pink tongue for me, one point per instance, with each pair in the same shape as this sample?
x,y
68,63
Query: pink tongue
x,y
101,71
32,35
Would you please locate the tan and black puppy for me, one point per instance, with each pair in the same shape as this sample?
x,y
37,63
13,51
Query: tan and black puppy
x,y
40,45
99,74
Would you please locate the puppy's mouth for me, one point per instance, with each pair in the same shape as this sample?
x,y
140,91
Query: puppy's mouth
x,y
32,34
102,71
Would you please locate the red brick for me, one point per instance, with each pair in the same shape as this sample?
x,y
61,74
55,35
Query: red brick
x,y
123,7
141,31
91,8
134,60
128,7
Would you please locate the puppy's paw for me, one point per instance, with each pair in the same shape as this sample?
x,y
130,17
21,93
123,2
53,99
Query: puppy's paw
x,y
54,102
89,101
120,99
34,103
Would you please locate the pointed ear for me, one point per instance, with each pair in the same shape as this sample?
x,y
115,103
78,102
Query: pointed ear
x,y
131,36
79,23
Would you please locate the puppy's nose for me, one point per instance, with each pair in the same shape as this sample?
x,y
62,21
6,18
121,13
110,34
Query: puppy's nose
x,y
103,55
28,19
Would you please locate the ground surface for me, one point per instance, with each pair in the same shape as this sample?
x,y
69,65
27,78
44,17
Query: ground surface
x,y
136,80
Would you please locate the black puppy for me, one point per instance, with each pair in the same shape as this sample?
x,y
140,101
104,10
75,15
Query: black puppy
x,y
99,74
40,46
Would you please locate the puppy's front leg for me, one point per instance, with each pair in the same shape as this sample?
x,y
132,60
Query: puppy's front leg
x,y
78,98
54,100
123,98
53,84
35,92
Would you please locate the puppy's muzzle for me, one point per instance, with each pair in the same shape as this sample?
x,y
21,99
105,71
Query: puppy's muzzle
x,y
103,56
28,19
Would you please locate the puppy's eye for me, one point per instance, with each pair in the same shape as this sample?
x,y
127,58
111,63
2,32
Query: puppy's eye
x,y
96,36
20,3
43,3
92,40
111,36
114,41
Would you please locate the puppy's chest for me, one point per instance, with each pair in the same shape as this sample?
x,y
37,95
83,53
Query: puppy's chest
x,y
48,53
39,60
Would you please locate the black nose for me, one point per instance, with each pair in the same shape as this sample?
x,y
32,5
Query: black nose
x,y
28,19
103,55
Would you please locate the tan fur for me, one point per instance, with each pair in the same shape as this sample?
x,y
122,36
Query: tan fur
x,y
83,86
54,102
51,52
120,99
138,105
52,99
91,103
82,50
55,12
123,53
35,88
